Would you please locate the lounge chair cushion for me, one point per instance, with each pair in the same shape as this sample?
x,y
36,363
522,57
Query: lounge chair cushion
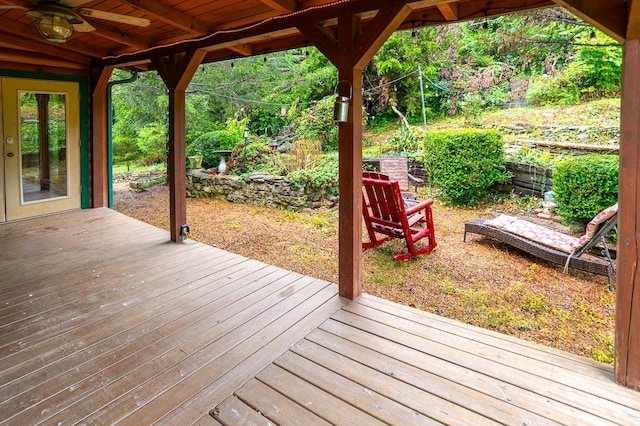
x,y
531,231
594,225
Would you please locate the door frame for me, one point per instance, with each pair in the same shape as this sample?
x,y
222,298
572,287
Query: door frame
x,y
83,88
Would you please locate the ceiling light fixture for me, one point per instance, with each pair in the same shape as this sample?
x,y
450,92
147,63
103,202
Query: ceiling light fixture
x,y
55,28
55,23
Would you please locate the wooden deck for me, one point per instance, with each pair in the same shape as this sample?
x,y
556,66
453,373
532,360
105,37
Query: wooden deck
x,y
102,320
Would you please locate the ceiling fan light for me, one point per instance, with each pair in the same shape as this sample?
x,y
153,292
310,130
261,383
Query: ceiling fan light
x,y
55,28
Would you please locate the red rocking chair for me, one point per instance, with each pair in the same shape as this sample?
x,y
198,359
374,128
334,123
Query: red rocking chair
x,y
385,212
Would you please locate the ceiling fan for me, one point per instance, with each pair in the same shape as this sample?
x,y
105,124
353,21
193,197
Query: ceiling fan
x,y
59,19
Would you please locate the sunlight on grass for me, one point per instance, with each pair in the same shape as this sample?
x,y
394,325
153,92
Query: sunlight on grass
x,y
502,317
608,355
446,287
589,313
138,168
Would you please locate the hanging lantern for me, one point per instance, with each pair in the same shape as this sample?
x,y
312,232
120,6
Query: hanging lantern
x,y
341,105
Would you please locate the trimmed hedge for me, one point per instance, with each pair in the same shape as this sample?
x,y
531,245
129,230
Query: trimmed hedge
x,y
583,186
464,164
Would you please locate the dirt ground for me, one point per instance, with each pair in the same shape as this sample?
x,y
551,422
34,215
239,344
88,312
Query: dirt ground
x,y
479,282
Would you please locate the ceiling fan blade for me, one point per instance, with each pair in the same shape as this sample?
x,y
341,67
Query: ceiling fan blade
x,y
84,27
12,6
74,3
108,16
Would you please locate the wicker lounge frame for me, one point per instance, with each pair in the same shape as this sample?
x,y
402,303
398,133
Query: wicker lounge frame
x,y
594,257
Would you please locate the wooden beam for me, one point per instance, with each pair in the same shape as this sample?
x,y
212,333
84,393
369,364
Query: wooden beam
x,y
120,37
98,145
627,363
282,6
449,11
609,16
17,66
380,29
276,27
170,16
242,49
633,26
321,39
247,20
176,72
29,57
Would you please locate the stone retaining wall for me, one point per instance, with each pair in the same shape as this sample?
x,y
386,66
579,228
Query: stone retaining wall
x,y
256,189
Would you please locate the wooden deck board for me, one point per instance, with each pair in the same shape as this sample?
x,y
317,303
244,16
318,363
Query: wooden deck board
x,y
502,368
407,384
104,321
272,405
147,316
512,344
589,385
179,329
365,398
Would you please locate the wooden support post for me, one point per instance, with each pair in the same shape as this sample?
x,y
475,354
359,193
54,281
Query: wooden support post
x,y
176,72
350,51
627,364
350,164
98,149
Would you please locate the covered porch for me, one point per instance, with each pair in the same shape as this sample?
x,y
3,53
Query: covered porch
x,y
104,320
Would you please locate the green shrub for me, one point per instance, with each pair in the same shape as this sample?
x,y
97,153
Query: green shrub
x,y
555,90
206,144
464,164
597,69
585,185
255,157
152,142
316,122
323,176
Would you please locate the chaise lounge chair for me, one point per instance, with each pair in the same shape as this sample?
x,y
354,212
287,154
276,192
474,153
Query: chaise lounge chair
x,y
587,253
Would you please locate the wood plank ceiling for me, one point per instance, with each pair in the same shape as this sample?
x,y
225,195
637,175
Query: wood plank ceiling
x,y
261,26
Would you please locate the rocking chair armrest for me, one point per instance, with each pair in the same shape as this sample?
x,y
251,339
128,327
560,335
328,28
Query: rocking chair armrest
x,y
414,179
418,207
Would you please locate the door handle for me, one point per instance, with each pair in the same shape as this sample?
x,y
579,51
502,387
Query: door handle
x,y
10,154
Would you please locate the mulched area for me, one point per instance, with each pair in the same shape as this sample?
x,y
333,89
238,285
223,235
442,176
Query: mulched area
x,y
480,282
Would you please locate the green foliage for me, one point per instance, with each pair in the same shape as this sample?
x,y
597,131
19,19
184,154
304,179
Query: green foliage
x,y
556,90
266,120
317,123
323,176
529,155
597,68
583,186
206,144
152,142
316,77
406,140
464,164
255,157
125,149
466,67
125,144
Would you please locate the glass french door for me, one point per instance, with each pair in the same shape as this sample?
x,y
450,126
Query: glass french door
x,y
40,167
